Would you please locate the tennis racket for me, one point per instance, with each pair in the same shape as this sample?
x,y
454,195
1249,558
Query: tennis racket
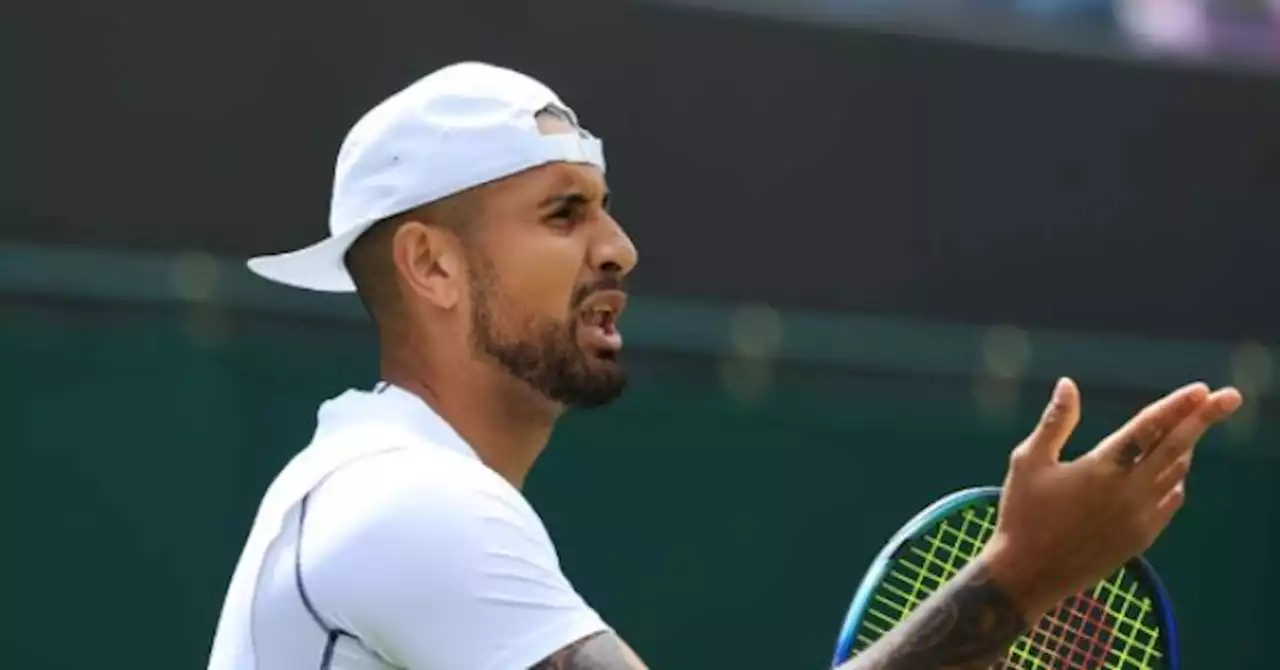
x,y
1123,623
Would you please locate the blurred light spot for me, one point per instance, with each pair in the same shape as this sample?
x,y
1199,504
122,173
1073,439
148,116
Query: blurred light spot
x,y
194,277
996,397
1006,351
746,379
1244,425
755,331
1251,368
1172,25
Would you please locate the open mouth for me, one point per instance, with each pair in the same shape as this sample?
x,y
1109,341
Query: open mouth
x,y
599,321
602,317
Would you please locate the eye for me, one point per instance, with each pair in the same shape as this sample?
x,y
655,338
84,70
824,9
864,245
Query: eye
x,y
570,210
566,216
561,216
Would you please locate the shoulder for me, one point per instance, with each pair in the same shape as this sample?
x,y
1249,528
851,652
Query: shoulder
x,y
436,518
418,494
436,561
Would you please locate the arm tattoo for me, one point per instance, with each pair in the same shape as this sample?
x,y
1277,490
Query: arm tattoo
x,y
967,625
602,651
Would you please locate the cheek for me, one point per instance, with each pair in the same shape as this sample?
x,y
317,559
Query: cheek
x,y
540,277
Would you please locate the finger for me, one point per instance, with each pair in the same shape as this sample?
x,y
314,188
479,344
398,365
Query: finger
x,y
1145,429
1169,506
1184,437
1174,475
1057,422
1226,401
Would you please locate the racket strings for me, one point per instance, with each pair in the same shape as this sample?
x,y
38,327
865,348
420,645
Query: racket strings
x,y
1073,636
1136,633
1108,628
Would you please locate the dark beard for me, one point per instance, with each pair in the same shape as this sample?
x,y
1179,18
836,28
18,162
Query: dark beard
x,y
546,355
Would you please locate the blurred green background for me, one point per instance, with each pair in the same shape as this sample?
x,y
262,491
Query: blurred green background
x,y
719,516
969,198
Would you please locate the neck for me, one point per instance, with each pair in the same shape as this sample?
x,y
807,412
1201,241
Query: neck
x,y
505,422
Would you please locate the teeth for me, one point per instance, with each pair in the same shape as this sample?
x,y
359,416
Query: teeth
x,y
598,315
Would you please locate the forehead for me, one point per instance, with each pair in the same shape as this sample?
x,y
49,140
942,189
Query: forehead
x,y
532,188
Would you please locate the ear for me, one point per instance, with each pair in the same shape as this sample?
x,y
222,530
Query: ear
x,y
430,264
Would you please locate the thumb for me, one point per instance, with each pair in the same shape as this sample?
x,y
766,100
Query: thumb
x,y
1056,424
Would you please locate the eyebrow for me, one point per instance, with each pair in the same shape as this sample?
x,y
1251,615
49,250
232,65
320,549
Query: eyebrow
x,y
572,198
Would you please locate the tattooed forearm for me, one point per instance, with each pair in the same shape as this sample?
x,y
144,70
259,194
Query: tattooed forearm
x,y
967,625
602,651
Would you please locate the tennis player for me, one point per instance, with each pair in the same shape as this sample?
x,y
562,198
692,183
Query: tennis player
x,y
470,214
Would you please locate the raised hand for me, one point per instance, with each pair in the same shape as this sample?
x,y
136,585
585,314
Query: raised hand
x,y
1066,525
1062,527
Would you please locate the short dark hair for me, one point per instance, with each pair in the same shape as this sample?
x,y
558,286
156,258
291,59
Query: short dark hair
x,y
369,259
372,269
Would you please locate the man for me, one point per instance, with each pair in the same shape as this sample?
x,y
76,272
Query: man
x,y
470,214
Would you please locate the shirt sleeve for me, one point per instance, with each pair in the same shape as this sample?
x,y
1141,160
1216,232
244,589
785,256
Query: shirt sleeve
x,y
440,568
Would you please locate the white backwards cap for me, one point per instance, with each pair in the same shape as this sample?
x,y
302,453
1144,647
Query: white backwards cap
x,y
459,127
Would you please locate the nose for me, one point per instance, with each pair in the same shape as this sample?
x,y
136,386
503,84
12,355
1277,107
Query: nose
x,y
613,252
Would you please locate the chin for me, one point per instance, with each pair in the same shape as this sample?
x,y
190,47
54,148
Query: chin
x,y
599,388
594,402
605,357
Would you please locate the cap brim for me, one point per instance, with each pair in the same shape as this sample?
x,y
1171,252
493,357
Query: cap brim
x,y
318,267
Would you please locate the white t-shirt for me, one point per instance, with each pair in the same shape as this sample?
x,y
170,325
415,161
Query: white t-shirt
x,y
392,545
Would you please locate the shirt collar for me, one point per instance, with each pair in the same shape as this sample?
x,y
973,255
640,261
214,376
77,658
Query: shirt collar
x,y
388,403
